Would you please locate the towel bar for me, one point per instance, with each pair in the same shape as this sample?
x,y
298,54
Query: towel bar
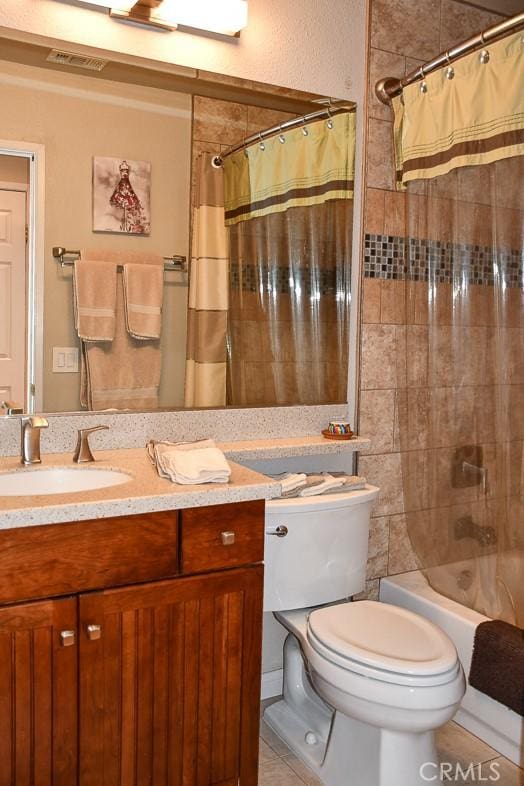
x,y
173,262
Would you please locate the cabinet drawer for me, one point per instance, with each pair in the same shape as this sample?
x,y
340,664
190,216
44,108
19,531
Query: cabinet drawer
x,y
59,559
222,536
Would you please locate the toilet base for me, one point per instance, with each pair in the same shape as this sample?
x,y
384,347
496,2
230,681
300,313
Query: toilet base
x,y
343,751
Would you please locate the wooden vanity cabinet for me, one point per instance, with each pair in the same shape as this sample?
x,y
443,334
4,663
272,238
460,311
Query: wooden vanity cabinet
x,y
146,682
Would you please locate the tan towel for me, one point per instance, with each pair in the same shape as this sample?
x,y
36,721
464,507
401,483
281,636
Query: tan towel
x,y
143,296
123,374
94,299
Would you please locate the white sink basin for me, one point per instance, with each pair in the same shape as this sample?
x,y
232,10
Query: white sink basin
x,y
58,480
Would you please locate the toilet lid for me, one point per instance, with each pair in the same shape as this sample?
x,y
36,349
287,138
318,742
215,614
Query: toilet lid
x,y
381,636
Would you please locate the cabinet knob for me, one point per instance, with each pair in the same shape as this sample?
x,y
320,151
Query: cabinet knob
x,y
227,538
94,632
67,638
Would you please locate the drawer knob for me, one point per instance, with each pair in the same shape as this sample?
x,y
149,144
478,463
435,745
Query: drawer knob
x,y
227,538
94,632
67,638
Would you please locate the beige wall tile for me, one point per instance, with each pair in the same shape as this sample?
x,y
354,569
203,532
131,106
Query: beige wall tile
x,y
393,303
381,65
380,166
459,21
374,212
417,355
417,478
401,554
383,356
385,472
409,27
417,302
377,565
260,118
370,592
376,419
395,213
371,290
219,121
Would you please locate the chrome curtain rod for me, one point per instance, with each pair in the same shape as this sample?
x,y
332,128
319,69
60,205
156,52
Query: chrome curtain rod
x,y
330,111
388,88
174,262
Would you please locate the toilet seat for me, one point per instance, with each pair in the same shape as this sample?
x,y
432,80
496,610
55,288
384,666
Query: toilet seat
x,y
383,642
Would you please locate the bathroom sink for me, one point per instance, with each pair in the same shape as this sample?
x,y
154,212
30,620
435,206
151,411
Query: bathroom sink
x,y
58,480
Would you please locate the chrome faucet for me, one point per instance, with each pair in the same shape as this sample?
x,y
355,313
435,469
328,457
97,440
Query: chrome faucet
x,y
30,446
83,451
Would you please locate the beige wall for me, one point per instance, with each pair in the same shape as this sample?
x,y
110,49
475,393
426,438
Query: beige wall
x,y
76,118
400,370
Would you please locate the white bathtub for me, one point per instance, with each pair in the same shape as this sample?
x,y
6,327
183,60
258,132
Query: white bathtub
x,y
494,723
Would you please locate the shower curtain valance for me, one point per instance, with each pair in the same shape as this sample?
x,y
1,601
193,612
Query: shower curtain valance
x,y
314,164
470,113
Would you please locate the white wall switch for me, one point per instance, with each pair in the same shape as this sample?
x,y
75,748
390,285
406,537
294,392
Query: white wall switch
x,y
65,360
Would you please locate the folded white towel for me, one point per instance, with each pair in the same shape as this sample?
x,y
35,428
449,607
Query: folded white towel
x,y
320,484
291,481
190,463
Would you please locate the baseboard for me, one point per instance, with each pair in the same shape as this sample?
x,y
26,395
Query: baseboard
x,y
271,684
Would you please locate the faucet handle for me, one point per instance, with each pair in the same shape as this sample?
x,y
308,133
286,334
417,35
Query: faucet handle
x,y
83,451
12,408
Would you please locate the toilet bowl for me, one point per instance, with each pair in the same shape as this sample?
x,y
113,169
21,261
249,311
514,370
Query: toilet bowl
x,y
365,683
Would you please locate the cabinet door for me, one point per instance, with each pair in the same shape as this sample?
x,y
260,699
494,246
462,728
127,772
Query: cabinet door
x,y
170,682
38,694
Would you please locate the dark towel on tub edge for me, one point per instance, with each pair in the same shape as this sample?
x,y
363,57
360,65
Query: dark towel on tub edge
x,y
497,665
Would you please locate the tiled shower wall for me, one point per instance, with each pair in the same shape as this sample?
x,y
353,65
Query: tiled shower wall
x,y
401,371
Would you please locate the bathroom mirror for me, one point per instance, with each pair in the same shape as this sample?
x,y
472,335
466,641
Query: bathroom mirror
x,y
78,137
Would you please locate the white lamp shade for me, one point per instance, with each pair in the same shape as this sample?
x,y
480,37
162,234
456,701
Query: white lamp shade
x,y
119,5
218,16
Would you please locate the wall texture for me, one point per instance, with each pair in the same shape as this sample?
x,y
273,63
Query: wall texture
x,y
400,371
76,118
314,45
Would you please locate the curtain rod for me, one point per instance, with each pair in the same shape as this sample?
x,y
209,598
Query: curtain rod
x,y
330,111
388,88
174,262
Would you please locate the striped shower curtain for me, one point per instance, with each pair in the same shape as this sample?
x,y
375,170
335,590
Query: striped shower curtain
x,y
208,292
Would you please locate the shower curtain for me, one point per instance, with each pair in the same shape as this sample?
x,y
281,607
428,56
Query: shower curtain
x,y
289,214
205,384
459,143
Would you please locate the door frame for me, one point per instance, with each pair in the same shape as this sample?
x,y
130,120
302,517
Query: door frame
x,y
34,360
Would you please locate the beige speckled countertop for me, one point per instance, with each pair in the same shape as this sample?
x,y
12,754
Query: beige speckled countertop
x,y
286,447
144,493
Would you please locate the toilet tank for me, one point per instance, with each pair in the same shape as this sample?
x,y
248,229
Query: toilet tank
x,y
323,556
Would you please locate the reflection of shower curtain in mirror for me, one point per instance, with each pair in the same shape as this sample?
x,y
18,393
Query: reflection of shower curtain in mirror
x,y
205,384
461,416
290,262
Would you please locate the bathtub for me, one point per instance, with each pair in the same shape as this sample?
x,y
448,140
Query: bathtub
x,y
494,723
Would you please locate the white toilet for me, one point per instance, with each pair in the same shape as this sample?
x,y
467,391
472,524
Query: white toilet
x,y
365,683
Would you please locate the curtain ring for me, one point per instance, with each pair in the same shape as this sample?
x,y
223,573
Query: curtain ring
x,y
330,121
281,137
448,61
261,143
304,129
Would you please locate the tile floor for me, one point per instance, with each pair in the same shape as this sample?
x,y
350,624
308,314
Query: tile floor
x,y
279,767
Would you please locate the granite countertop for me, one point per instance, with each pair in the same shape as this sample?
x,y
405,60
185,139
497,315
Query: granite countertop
x,y
144,493
286,447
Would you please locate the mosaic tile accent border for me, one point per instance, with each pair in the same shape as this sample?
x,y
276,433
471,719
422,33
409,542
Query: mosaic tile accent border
x,y
312,281
386,257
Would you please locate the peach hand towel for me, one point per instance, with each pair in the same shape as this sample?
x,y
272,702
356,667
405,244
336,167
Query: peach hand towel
x,y
123,374
143,296
94,299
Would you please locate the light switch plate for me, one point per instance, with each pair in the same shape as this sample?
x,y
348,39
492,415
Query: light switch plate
x,y
65,360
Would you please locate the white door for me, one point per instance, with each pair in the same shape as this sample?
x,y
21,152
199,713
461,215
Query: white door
x,y
12,295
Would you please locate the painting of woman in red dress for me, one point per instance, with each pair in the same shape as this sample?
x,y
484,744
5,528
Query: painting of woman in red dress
x,y
121,196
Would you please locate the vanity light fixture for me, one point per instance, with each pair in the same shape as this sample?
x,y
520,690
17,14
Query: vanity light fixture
x,y
227,17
